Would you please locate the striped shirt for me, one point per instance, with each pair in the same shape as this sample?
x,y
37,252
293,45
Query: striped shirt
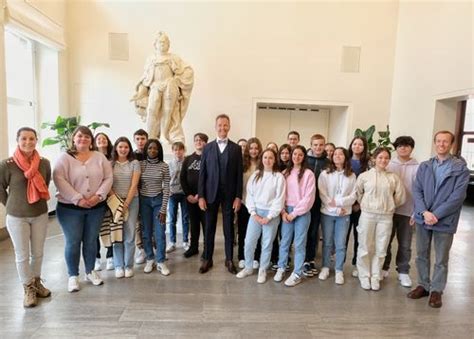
x,y
123,172
154,180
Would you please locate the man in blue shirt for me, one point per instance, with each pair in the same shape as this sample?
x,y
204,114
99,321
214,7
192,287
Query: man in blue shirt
x,y
439,192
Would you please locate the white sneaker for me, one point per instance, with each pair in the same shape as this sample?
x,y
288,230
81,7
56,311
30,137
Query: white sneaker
x,y
256,264
119,272
383,275
110,264
73,284
241,263
355,272
324,274
186,246
162,268
405,280
375,283
293,280
365,283
97,265
149,266
94,278
262,276
339,277
140,258
128,272
244,273
171,247
279,275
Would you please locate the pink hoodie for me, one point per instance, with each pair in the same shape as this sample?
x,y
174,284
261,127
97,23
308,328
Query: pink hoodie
x,y
407,172
300,195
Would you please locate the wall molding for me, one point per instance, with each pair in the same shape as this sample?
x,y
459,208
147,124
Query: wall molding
x,y
33,23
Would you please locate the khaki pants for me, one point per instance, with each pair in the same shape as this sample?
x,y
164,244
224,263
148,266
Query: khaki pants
x,y
374,235
28,236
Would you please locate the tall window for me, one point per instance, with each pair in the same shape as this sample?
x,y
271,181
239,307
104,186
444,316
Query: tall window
x,y
467,135
20,76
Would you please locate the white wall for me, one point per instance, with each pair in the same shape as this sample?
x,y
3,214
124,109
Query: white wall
x,y
434,57
45,16
239,51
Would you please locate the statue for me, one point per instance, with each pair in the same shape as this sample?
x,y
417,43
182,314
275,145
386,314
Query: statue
x,y
163,93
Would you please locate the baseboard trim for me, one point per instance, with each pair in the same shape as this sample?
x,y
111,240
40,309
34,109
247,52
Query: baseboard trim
x,y
4,234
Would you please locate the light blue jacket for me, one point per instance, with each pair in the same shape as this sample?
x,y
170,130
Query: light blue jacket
x,y
446,204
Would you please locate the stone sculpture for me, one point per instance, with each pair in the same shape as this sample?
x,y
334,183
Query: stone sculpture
x,y
162,94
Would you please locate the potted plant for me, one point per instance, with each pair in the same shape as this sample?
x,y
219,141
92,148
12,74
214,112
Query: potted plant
x,y
383,140
64,127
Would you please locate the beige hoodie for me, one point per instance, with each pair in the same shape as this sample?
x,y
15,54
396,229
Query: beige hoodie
x,y
379,192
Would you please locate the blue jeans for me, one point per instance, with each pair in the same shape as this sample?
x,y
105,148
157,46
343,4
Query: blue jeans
x,y
173,202
80,226
125,251
442,245
150,214
268,232
299,229
335,230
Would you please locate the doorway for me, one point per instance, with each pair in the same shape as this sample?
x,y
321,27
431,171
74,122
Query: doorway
x,y
274,119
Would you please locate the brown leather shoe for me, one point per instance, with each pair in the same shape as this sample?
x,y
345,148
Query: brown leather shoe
x,y
418,292
230,266
435,300
205,266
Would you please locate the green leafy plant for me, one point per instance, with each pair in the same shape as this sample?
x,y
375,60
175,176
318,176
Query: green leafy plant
x,y
64,128
383,139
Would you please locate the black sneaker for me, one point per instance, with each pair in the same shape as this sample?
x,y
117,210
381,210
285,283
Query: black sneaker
x,y
307,271
312,265
274,267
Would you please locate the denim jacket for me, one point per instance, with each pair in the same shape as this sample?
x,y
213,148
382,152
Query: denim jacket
x,y
446,204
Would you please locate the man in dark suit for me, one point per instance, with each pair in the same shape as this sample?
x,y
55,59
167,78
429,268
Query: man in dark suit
x,y
220,184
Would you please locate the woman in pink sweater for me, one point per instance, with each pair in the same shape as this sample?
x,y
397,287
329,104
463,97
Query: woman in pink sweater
x,y
300,194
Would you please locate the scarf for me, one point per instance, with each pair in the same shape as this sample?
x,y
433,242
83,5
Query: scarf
x,y
36,187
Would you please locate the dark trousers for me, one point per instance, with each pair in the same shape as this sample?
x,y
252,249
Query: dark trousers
x,y
313,232
354,223
225,202
276,245
197,220
243,217
404,232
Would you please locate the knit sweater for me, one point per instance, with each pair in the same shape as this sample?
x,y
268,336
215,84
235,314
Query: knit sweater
x,y
13,189
379,192
300,194
76,180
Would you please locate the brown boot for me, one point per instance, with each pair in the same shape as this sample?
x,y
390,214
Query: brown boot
x,y
30,299
41,291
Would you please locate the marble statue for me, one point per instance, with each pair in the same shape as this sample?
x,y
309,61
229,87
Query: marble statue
x,y
162,94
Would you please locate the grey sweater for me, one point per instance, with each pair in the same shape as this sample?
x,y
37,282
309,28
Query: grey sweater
x,y
13,189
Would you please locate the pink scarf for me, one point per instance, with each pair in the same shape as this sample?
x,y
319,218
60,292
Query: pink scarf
x,y
36,188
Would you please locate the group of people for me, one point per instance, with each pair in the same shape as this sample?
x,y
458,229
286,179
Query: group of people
x,y
280,196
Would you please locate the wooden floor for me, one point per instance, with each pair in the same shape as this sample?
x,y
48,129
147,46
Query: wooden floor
x,y
188,304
